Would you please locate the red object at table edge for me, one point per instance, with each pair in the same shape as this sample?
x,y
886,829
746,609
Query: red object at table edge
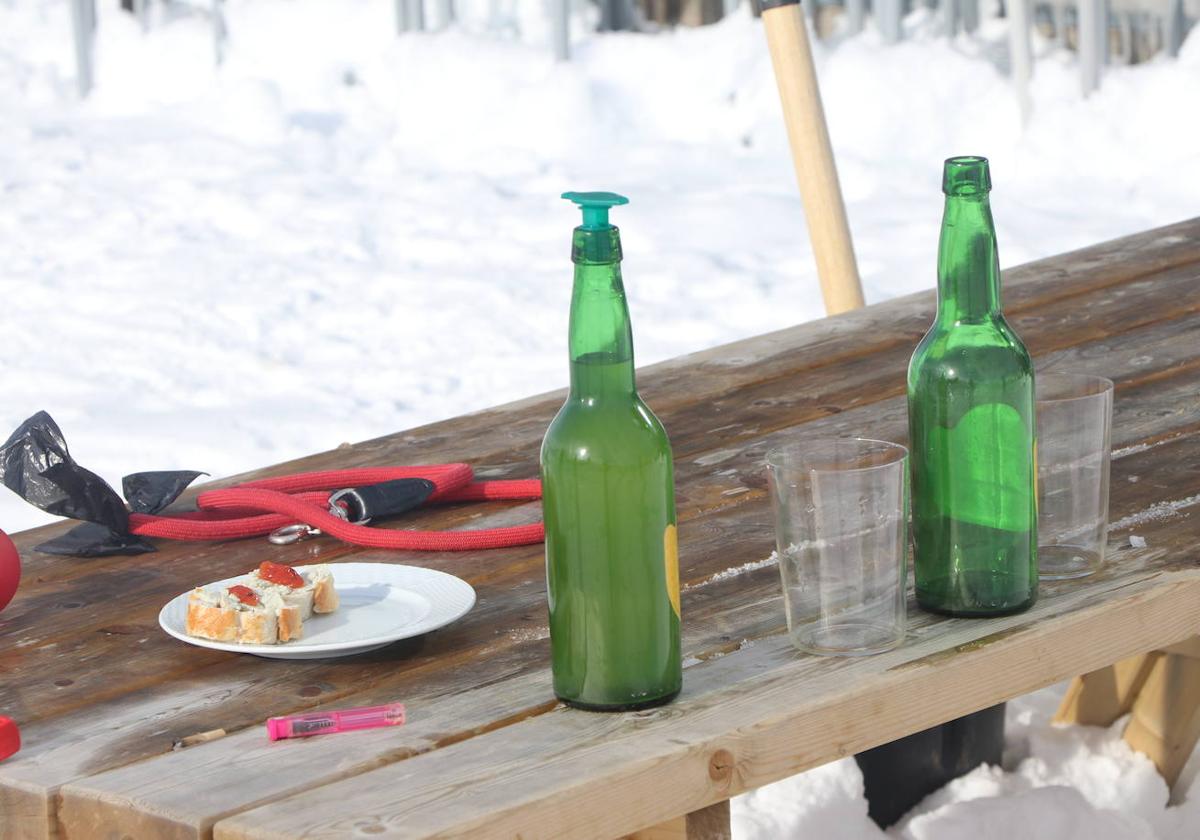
x,y
10,570
10,738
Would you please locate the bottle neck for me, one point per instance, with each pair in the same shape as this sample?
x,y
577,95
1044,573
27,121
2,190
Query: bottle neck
x,y
968,265
601,342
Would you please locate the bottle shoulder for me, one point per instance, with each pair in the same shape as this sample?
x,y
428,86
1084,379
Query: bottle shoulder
x,y
989,349
612,429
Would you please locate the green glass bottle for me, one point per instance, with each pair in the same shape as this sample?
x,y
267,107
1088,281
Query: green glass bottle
x,y
971,423
608,498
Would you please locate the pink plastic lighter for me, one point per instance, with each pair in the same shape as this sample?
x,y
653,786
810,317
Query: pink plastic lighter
x,y
346,720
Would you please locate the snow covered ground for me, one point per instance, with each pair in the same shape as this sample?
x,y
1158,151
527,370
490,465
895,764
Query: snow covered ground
x,y
1057,783
342,233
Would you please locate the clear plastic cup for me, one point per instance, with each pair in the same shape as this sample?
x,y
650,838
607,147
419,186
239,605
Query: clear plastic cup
x,y
841,527
1074,423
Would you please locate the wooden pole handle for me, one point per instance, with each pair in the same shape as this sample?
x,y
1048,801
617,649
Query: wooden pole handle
x,y
812,155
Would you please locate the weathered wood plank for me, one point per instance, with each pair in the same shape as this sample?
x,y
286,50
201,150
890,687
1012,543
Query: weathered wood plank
x,y
120,636
181,772
1190,648
756,410
51,678
1101,271
148,723
1158,397
1140,414
711,823
563,773
202,785
722,612
721,421
26,815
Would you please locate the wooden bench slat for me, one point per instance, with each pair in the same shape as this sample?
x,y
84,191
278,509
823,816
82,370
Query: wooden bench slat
x,y
742,721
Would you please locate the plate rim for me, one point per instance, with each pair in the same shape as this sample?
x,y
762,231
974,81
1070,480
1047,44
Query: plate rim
x,y
347,647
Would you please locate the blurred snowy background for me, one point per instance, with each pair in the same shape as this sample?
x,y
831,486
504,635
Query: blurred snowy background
x,y
340,233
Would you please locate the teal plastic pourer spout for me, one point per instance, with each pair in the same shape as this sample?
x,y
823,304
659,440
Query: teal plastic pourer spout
x,y
595,207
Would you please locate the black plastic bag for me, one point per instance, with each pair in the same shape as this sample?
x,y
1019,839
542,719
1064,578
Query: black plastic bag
x,y
92,540
150,492
36,465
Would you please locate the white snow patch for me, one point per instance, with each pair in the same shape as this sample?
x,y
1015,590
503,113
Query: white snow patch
x,y
527,634
1131,450
716,457
1160,510
1142,447
1058,783
736,571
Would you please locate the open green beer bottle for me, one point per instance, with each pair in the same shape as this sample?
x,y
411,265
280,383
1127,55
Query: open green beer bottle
x,y
608,499
971,422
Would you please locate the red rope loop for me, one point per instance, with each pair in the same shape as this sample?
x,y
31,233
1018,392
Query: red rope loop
x,y
259,507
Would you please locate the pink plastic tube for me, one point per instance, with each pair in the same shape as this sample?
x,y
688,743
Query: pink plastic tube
x,y
346,720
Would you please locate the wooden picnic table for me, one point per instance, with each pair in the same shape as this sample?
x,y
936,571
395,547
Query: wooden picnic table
x,y
102,694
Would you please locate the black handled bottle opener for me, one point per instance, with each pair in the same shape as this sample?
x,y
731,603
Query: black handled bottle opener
x,y
359,505
388,498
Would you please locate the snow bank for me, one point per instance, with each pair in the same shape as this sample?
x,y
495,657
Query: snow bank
x,y
1058,783
341,233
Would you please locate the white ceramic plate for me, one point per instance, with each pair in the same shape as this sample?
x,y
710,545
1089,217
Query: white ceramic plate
x,y
380,603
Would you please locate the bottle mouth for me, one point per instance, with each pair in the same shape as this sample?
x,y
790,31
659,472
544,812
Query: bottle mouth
x,y
966,175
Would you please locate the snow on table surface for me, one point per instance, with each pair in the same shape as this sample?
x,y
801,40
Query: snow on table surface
x,y
342,234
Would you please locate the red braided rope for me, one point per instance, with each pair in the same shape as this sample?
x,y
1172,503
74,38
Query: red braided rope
x,y
259,507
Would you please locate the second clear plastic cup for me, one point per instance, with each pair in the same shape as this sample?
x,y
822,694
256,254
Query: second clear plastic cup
x,y
1074,423
841,528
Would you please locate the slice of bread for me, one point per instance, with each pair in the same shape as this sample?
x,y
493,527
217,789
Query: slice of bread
x,y
223,618
291,626
208,618
325,597
316,595
277,617
258,626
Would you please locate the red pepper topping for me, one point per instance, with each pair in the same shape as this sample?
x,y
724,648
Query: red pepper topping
x,y
244,594
281,574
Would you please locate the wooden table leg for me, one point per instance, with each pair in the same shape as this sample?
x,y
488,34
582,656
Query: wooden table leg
x,y
1162,691
1166,715
1099,698
711,823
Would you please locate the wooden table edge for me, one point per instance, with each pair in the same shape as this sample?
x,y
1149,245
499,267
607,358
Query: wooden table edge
x,y
723,752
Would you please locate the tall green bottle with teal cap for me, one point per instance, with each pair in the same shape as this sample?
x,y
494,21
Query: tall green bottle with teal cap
x,y
608,498
971,424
